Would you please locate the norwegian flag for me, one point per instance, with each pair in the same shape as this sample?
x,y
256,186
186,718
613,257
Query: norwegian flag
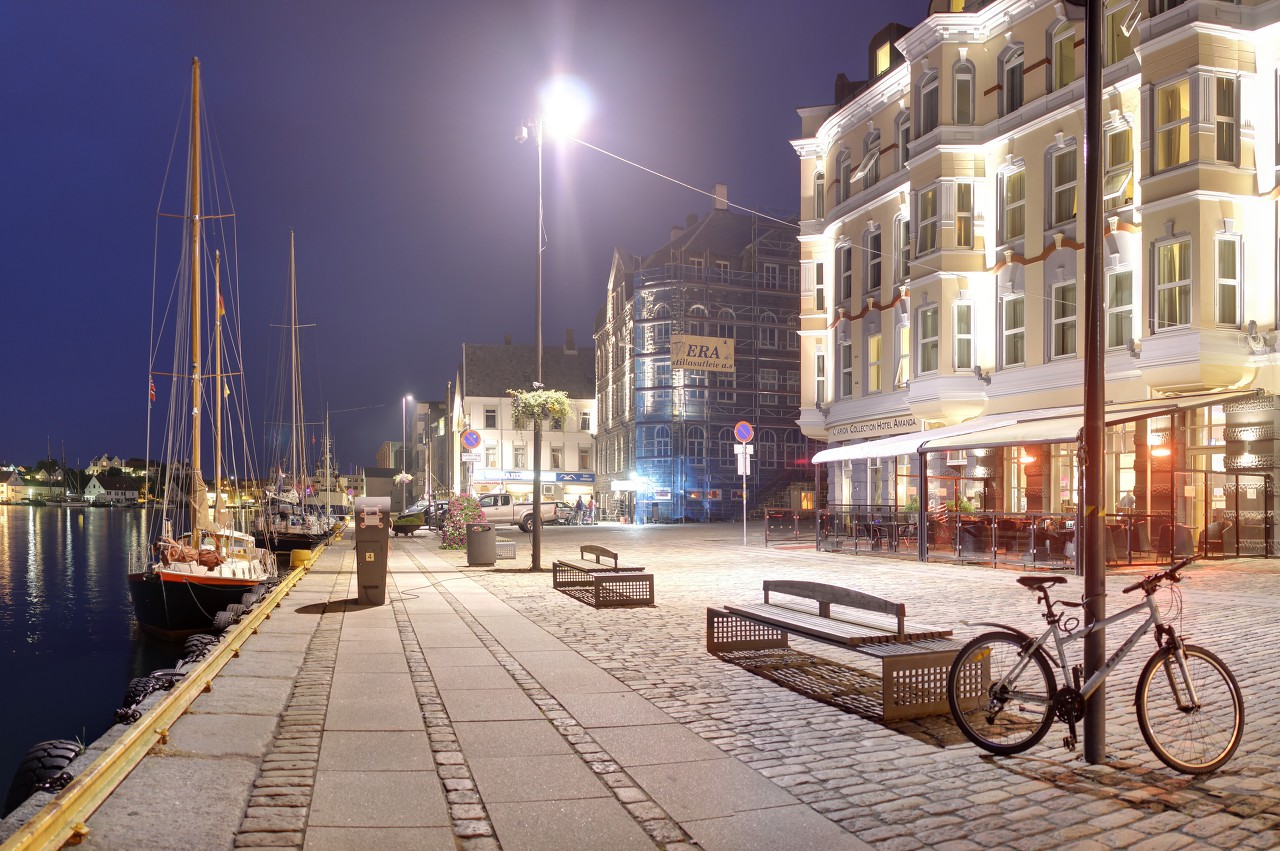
x,y
151,391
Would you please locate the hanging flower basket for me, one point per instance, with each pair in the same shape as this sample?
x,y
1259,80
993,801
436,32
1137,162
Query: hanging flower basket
x,y
402,478
533,406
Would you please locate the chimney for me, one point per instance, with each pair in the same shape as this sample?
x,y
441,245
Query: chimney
x,y
675,233
690,220
506,341
569,347
722,196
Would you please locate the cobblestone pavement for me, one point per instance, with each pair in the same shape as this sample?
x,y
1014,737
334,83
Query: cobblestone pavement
x,y
915,784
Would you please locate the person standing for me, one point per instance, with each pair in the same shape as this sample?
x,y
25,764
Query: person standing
x,y
577,511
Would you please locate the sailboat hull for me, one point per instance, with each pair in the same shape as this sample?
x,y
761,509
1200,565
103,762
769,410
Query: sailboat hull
x,y
174,606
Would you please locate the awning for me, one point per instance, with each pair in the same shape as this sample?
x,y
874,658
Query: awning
x,y
1022,428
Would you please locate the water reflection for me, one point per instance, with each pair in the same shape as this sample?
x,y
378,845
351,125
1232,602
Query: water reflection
x,y
68,642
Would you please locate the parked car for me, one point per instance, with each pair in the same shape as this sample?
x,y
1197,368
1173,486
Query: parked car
x,y
501,509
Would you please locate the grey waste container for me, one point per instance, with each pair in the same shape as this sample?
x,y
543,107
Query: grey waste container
x,y
373,541
482,543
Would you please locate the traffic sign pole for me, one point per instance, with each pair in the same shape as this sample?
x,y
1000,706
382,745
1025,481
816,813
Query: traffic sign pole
x,y
744,432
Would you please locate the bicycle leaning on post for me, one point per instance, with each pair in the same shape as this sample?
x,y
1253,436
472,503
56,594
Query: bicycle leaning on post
x,y
1004,695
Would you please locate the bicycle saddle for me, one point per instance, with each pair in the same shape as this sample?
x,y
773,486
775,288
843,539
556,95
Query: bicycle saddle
x,y
1039,583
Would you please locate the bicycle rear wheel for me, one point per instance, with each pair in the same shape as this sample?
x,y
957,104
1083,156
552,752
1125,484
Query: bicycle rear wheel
x,y
996,709
1193,739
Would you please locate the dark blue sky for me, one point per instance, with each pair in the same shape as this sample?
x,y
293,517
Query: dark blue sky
x,y
382,133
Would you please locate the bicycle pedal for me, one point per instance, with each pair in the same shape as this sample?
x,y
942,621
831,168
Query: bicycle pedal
x,y
1069,743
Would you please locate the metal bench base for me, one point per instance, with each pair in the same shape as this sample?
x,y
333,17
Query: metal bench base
x,y
913,680
603,589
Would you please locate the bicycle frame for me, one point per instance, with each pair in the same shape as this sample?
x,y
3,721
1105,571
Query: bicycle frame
x,y
1091,685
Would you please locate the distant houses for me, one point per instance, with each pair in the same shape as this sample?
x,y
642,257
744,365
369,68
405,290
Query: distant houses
x,y
116,490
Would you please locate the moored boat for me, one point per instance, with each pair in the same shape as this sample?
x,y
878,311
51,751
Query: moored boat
x,y
203,565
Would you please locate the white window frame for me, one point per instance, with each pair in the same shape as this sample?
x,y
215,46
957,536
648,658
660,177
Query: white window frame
x,y
1063,311
1226,124
696,446
1119,309
1013,335
819,375
1227,280
902,248
872,261
793,279
844,171
927,341
490,417
964,214
962,336
819,288
1172,308
902,136
819,195
1118,42
927,221
1062,68
1013,208
1117,183
1012,85
875,363
1172,132
846,272
723,270
770,276
846,370
928,94
869,169
1063,185
768,331
902,370
962,91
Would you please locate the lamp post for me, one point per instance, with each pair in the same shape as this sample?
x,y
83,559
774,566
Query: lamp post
x,y
404,449
562,107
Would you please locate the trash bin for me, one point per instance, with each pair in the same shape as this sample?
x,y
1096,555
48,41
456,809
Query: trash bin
x,y
373,542
482,543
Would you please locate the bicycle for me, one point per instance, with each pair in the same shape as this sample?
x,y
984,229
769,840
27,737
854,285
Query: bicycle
x,y
1004,695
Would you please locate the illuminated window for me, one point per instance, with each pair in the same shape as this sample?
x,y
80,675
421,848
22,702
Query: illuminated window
x,y
927,231
964,215
902,132
902,373
1227,248
819,377
1064,56
928,329
871,258
1014,331
869,169
819,195
846,370
1117,185
1119,308
846,273
875,357
1063,189
928,104
819,288
1064,319
962,82
1227,130
902,249
1173,284
1014,194
1117,34
963,336
883,58
1011,80
1173,124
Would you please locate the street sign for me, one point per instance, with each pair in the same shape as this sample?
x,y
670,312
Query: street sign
x,y
743,431
471,438
469,457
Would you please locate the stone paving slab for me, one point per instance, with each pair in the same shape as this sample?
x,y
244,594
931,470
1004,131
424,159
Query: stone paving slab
x,y
377,750
575,825
378,799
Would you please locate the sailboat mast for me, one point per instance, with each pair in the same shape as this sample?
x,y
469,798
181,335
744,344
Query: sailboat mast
x,y
197,482
295,440
217,390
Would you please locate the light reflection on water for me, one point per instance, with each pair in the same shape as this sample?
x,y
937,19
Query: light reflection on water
x,y
68,641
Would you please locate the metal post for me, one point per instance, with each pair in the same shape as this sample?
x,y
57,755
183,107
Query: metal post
x,y
1092,445
536,563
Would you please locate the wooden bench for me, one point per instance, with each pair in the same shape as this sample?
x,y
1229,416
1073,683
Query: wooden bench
x,y
915,658
600,583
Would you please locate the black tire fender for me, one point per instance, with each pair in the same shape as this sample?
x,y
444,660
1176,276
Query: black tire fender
x,y
42,768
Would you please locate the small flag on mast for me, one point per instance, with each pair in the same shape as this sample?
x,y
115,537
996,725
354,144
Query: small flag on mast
x,y
151,390
222,311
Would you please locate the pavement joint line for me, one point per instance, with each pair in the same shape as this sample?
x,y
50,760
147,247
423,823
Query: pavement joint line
x,y
656,822
468,816
280,800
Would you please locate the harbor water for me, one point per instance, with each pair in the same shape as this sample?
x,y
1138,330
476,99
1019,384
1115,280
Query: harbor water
x,y
68,641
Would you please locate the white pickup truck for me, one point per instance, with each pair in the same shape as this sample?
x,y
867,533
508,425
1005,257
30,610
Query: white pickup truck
x,y
501,510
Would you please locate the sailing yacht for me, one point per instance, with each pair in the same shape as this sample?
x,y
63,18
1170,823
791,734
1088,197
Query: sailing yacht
x,y
290,518
204,566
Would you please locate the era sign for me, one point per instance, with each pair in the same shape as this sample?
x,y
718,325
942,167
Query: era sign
x,y
713,354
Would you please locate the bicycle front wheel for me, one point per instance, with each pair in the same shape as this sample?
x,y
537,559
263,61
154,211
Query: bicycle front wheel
x,y
1194,737
1001,699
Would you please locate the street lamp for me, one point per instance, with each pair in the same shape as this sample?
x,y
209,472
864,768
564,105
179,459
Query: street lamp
x,y
563,105
404,450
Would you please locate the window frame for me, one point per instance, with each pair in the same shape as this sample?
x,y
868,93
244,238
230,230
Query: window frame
x,y
1119,45
1018,177
869,168
902,136
819,375
902,366
844,172
1117,181
1012,84
1062,48
1013,335
927,91
1234,283
1064,309
964,225
1119,314
927,221
1058,187
846,272
819,194
1226,138
872,261
771,276
962,351
902,249
1166,128
846,369
928,336
875,363
819,288
1180,288
962,94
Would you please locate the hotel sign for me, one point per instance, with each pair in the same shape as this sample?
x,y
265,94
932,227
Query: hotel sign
x,y
877,428
713,354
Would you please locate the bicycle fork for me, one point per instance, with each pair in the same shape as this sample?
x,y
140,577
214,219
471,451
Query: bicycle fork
x,y
1185,697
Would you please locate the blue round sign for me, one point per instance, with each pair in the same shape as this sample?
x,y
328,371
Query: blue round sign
x,y
471,438
743,431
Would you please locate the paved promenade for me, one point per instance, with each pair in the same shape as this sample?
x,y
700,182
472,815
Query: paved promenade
x,y
480,709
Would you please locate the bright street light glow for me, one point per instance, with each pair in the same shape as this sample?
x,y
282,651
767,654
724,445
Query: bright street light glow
x,y
566,104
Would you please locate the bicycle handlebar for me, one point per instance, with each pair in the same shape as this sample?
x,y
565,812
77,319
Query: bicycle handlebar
x,y
1150,583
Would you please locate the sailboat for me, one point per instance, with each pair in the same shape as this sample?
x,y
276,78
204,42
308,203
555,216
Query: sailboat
x,y
203,565
290,518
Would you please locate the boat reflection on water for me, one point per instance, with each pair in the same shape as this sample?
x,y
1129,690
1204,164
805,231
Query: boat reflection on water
x,y
68,641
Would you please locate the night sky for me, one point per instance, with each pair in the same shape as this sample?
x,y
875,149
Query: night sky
x,y
382,133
